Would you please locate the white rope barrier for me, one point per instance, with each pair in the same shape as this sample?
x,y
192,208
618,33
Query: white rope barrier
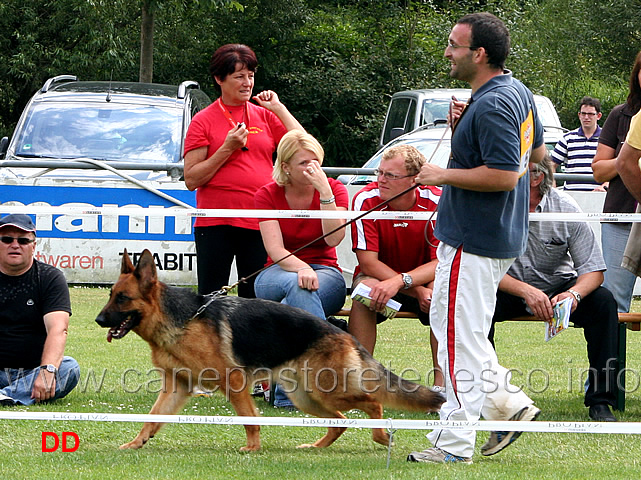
x,y
481,425
231,213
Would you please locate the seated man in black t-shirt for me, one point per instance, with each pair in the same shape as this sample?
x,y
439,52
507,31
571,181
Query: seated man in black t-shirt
x,y
34,317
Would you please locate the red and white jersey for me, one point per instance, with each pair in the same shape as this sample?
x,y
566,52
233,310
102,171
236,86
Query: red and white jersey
x,y
401,244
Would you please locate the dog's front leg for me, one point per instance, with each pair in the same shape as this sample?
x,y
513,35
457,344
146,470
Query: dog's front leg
x,y
172,397
237,391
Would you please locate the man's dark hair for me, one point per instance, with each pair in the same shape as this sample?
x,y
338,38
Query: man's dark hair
x,y
591,102
490,33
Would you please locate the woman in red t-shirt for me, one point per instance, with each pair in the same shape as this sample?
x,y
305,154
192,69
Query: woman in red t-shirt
x,y
311,279
228,156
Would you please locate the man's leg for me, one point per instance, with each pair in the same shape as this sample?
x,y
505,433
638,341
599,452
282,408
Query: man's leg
x,y
597,315
462,310
461,314
362,320
22,382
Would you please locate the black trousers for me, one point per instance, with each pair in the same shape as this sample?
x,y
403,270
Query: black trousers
x,y
597,315
216,248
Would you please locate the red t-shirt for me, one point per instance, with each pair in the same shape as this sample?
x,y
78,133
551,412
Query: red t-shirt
x,y
299,231
400,244
235,183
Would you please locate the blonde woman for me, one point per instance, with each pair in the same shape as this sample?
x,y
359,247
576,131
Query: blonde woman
x,y
311,279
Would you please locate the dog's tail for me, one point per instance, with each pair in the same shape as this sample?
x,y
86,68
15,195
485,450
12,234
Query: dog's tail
x,y
396,392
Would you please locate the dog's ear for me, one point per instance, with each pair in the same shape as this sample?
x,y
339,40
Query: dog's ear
x,y
146,271
126,266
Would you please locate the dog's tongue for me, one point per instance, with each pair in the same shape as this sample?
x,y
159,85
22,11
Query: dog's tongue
x,y
109,336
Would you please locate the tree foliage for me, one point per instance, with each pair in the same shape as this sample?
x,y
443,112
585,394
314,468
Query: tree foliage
x,y
334,63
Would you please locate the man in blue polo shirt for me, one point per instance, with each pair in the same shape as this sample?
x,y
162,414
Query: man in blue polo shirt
x,y
482,226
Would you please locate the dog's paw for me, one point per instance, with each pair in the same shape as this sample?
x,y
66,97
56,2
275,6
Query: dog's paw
x,y
248,448
133,445
307,445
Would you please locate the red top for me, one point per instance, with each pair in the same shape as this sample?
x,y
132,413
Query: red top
x,y
300,231
235,183
400,244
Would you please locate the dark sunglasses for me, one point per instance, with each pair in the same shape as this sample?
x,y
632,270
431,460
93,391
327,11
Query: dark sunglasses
x,y
21,240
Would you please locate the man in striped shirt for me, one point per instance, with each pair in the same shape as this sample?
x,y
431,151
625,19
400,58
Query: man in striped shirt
x,y
576,148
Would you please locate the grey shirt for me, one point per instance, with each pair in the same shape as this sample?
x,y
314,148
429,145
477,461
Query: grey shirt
x,y
557,252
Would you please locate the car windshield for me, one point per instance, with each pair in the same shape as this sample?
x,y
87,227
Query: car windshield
x,y
111,132
435,109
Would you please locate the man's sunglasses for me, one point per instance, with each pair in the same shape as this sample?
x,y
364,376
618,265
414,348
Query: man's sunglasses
x,y
21,240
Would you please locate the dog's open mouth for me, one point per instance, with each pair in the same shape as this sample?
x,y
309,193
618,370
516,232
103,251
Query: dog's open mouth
x,y
121,330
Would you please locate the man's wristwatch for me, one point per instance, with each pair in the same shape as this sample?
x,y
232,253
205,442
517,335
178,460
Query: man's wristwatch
x,y
49,368
407,280
576,295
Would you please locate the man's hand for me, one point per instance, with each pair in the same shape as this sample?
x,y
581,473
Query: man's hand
x,y
431,174
44,388
562,296
539,303
383,291
424,297
456,110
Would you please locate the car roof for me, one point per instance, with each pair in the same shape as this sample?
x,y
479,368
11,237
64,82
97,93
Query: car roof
x,y
435,92
113,92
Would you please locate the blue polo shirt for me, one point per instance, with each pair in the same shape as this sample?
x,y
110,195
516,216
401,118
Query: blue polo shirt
x,y
499,129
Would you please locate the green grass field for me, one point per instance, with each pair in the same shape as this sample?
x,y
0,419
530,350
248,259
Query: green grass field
x,y
117,378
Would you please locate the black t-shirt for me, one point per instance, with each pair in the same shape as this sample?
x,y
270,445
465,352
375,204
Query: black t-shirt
x,y
24,300
613,133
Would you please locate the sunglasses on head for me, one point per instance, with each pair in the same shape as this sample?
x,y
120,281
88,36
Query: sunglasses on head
x,y
21,240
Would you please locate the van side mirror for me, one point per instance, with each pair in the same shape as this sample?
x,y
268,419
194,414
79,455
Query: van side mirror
x,y
396,132
4,145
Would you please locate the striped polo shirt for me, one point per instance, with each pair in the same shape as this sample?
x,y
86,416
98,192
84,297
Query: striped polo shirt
x,y
576,152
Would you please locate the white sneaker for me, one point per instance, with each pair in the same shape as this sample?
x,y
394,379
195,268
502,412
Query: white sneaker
x,y
199,392
499,440
6,401
436,455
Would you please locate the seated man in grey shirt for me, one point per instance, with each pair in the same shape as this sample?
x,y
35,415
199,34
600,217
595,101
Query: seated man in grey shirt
x,y
562,260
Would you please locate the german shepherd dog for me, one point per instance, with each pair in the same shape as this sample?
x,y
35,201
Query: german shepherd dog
x,y
239,341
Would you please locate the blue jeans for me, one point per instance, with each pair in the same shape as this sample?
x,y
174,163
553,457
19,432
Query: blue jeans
x,y
618,280
282,286
279,285
17,383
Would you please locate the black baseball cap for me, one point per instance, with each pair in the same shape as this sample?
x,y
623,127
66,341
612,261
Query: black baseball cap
x,y
18,220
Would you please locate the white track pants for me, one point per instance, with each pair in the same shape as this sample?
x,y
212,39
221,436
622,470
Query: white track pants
x,y
461,315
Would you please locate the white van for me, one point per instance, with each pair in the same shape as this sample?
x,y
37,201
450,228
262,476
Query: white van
x,y
411,109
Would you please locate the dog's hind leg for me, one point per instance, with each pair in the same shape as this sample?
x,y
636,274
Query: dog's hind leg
x,y
237,391
375,410
314,408
167,403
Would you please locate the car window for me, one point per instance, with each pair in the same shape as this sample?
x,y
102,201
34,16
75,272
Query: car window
x,y
112,132
400,112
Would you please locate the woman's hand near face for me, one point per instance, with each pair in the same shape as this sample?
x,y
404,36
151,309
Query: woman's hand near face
x,y
314,173
267,99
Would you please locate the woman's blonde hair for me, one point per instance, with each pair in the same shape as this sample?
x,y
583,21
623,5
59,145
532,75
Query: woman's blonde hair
x,y
292,142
